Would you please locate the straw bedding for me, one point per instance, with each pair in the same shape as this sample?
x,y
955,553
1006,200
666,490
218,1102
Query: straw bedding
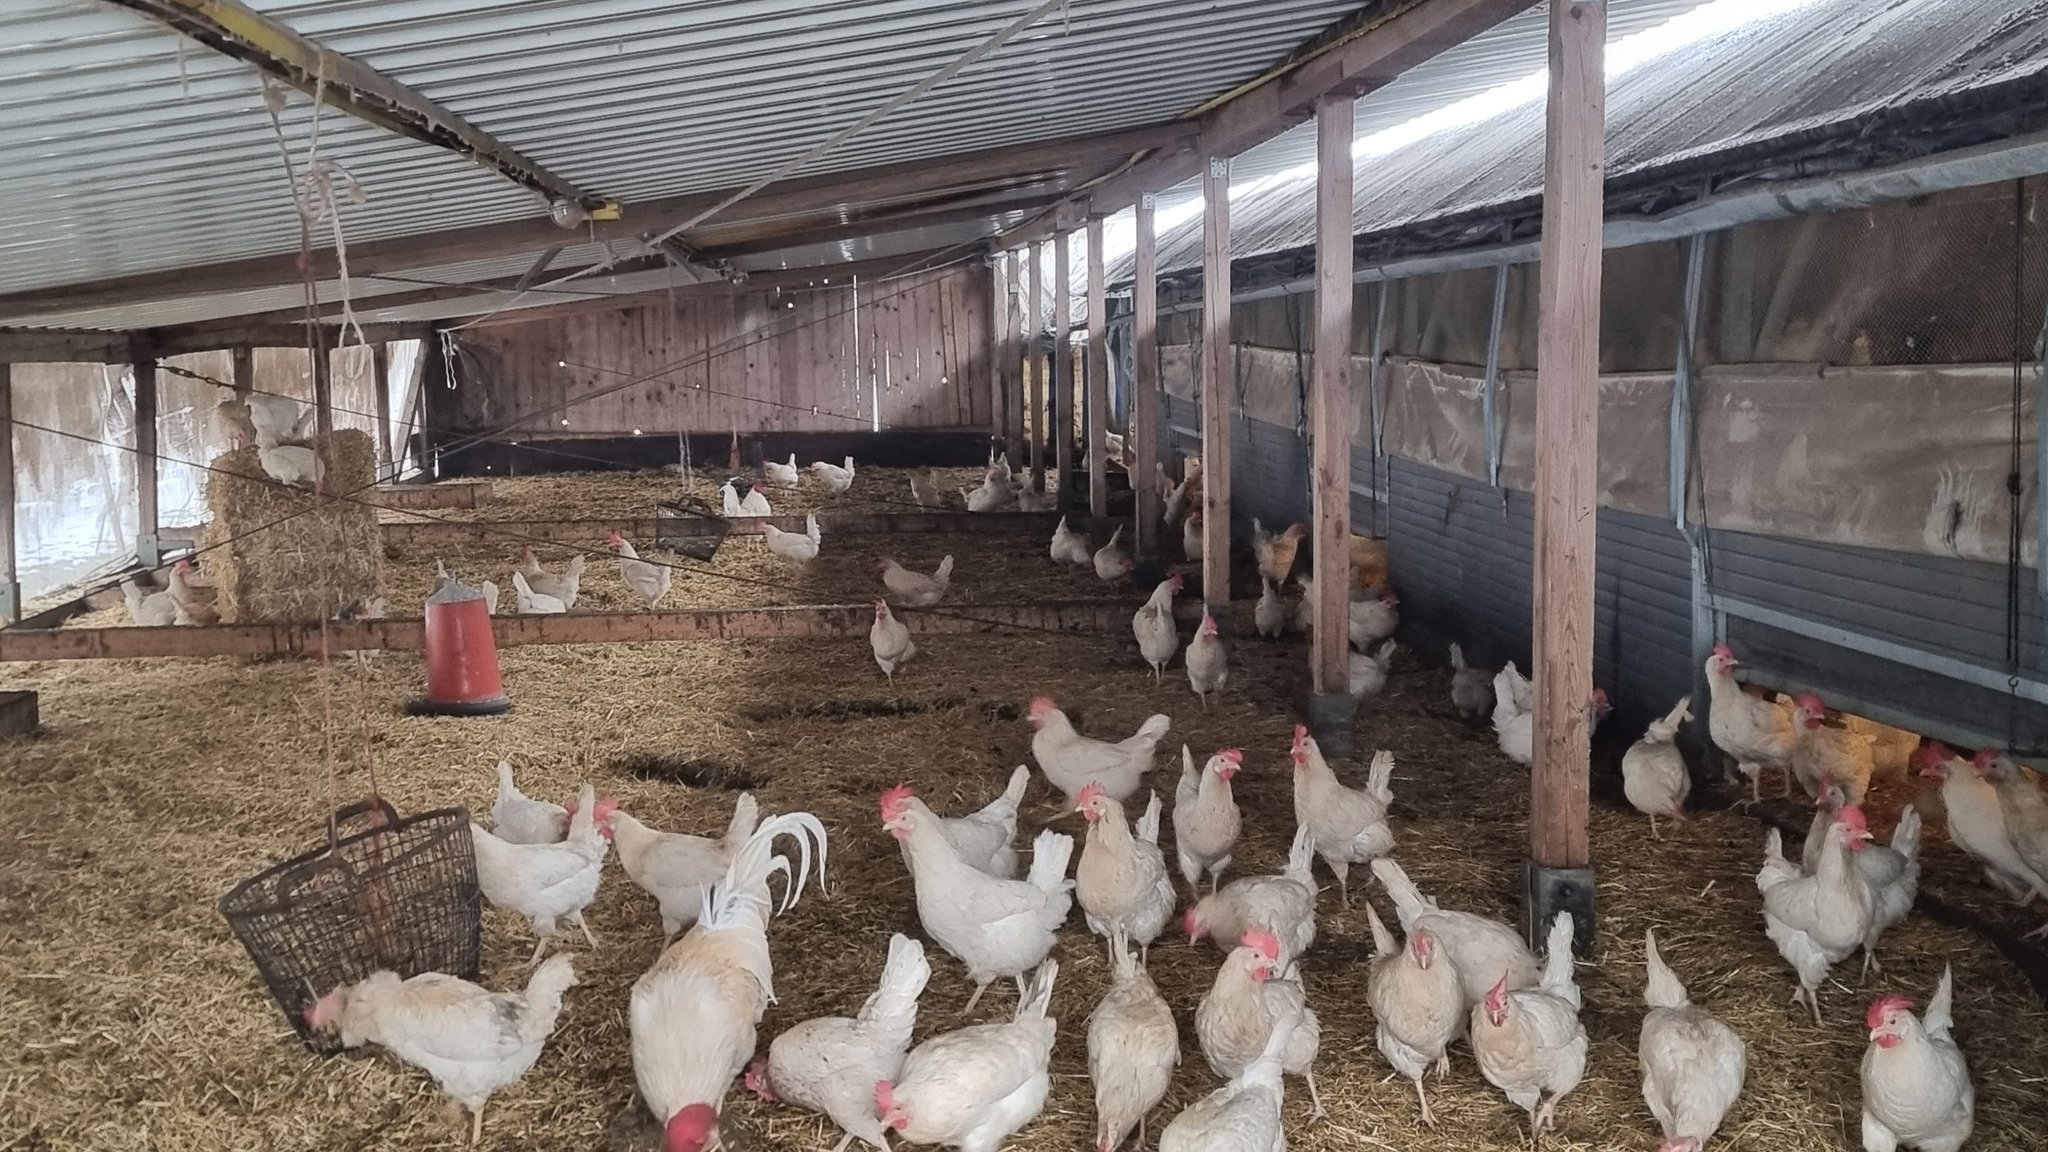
x,y
279,553
139,1023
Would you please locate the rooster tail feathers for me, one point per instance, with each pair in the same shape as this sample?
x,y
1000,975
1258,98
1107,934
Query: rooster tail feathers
x,y
903,979
1661,986
746,813
1938,1017
1148,824
744,887
1557,955
1036,996
1049,855
1301,854
1382,940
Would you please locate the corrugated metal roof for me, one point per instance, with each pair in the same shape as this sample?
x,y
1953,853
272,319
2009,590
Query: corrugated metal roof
x,y
129,150
1822,63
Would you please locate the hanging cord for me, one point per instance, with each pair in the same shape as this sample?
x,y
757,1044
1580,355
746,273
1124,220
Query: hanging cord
x,y
2015,486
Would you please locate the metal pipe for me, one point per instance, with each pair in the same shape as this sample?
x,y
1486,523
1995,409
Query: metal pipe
x,y
1489,388
1906,654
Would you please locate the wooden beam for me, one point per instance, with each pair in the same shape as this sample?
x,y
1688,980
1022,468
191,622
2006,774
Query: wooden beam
x,y
147,548
998,351
1219,387
1035,366
1567,435
242,364
1014,371
380,372
839,621
1145,418
420,497
61,346
1062,370
1330,402
10,575
210,336
903,183
1098,377
1360,54
342,81
413,534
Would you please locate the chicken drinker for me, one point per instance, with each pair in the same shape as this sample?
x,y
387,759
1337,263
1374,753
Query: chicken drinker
x,y
460,657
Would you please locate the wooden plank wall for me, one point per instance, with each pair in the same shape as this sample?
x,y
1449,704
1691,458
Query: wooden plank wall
x,y
779,360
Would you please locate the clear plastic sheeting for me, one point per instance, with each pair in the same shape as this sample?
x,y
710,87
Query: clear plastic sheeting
x,y
75,508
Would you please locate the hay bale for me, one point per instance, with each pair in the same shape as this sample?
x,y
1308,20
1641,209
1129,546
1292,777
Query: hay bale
x,y
278,553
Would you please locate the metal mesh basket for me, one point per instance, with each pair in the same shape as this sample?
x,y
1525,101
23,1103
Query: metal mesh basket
x,y
688,526
383,892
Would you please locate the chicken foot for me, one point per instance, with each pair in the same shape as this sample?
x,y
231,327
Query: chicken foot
x,y
1428,1118
1316,1110
1811,997
845,1141
1342,871
587,933
976,998
1216,873
539,946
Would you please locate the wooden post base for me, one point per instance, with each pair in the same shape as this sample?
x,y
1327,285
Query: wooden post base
x,y
1329,721
1548,891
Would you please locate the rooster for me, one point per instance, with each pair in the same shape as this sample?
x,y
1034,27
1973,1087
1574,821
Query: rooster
x,y
793,547
1529,1042
996,928
1693,1064
1824,753
1283,905
1346,826
648,581
1207,661
1133,1048
674,868
1478,948
1976,820
1269,615
1121,880
1072,761
1111,562
1916,1084
1653,774
1158,635
1275,552
1251,997
1241,1116
693,1014
547,883
1205,816
1368,673
1471,688
472,1041
915,589
1756,733
1417,1006
1892,874
830,1064
983,840
972,1088
1817,921
782,475
890,640
519,819
836,477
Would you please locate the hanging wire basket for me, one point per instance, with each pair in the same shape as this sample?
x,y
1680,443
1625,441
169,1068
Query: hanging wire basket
x,y
689,527
381,892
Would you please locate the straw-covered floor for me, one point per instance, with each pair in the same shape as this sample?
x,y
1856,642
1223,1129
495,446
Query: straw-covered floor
x,y
137,1021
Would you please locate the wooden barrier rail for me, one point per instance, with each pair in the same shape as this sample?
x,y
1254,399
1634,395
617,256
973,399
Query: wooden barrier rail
x,y
834,620
643,529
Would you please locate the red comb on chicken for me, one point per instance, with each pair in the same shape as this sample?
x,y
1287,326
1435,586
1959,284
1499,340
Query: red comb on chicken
x,y
1089,794
1262,943
1874,1018
895,800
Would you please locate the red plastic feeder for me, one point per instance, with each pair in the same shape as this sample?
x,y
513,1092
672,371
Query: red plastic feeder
x,y
461,661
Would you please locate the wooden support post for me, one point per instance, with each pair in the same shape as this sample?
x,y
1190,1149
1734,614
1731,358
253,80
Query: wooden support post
x,y
998,340
244,376
1062,371
1331,710
1145,379
323,387
1098,381
10,575
1567,431
380,371
1219,387
1035,366
148,550
1013,356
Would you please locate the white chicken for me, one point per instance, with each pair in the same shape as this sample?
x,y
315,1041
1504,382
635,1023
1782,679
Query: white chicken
x,y
294,465
278,418
2025,810
1157,632
650,582
230,418
675,868
990,496
1205,816
1976,821
1693,1064
925,491
1816,921
1824,753
831,1064
444,581
1471,688
729,497
1133,1048
191,608
1480,949
1112,563
563,586
754,503
1031,499
527,602
997,928
1891,873
1241,1116
915,589
890,640
1417,1006
547,883
1653,775
1072,761
1529,1042
985,839
1193,539
693,1014
1916,1084
1070,547
837,477
1757,734
1347,826
971,1089
1252,996
517,818
1121,880
1284,905
471,1040
1269,615
148,609
1514,722
1207,661
1182,499
1368,673
1372,621
793,547
782,475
